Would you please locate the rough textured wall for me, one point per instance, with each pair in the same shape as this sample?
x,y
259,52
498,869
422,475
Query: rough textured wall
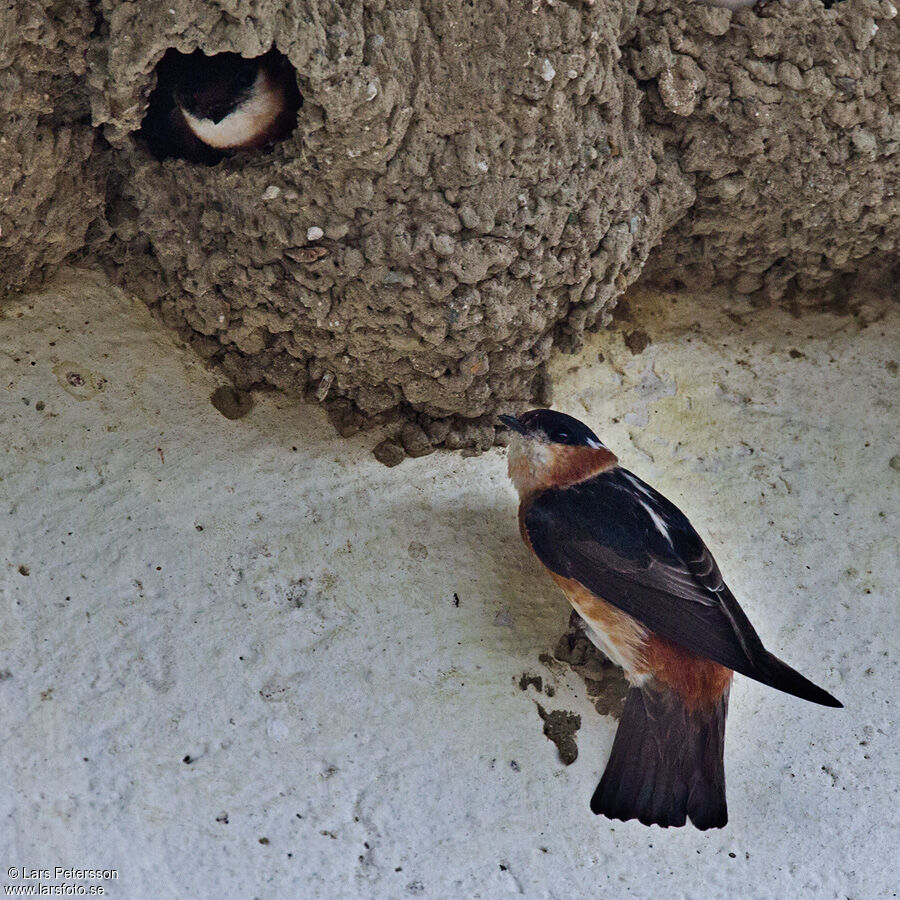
x,y
49,194
469,184
480,174
789,122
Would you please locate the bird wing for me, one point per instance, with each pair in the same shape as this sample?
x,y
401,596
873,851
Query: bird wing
x,y
630,546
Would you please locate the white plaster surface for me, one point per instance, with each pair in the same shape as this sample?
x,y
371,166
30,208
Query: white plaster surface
x,y
289,703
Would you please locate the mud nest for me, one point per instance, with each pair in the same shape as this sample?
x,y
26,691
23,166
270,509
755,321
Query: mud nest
x,y
464,187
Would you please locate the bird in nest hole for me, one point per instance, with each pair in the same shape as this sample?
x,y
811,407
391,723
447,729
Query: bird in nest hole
x,y
205,108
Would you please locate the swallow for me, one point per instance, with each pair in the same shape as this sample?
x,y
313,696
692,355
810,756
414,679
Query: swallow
x,y
207,107
653,600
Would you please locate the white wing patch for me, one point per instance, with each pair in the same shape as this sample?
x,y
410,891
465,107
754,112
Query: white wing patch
x,y
658,522
649,505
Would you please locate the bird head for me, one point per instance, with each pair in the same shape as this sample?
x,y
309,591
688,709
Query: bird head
x,y
549,448
212,87
551,427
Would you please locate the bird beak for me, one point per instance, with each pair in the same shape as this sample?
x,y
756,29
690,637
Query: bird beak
x,y
513,423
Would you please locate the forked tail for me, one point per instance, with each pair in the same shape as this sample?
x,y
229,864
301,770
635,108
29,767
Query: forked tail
x,y
666,763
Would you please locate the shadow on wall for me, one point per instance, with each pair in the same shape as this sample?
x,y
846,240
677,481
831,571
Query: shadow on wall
x,y
205,108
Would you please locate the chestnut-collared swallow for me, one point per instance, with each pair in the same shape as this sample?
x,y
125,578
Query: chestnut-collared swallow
x,y
211,106
654,602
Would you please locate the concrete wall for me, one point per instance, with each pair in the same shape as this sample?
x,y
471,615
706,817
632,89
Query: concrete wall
x,y
241,658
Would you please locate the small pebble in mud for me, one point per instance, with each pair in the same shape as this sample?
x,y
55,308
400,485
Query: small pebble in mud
x,y
637,341
415,441
24,570
324,386
389,453
560,726
81,383
232,403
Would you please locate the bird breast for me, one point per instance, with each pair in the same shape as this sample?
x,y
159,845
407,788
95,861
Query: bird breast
x,y
535,465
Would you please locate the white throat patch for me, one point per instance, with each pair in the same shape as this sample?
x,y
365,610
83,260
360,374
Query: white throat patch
x,y
528,459
252,118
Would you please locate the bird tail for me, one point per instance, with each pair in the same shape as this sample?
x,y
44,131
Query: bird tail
x,y
779,675
666,763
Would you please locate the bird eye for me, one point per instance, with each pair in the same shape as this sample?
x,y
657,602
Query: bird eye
x,y
560,436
